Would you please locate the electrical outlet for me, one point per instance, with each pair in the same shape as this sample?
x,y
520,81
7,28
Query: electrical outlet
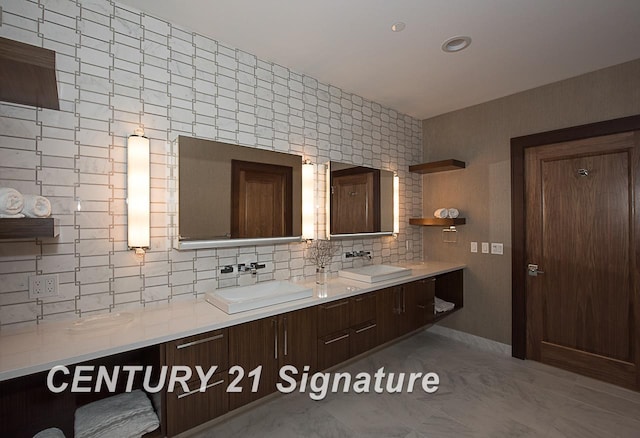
x,y
497,248
485,247
474,246
41,286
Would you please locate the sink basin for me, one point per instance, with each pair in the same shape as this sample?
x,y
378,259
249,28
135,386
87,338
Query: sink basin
x,y
243,298
374,273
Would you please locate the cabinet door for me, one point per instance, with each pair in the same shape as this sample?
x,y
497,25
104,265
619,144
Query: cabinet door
x,y
418,301
298,330
253,344
189,409
333,317
206,350
363,309
387,312
364,337
333,349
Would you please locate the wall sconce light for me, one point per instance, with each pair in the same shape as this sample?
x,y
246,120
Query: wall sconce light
x,y
138,189
308,200
396,204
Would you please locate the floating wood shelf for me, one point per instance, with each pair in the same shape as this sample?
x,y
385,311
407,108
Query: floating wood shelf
x,y
28,75
437,222
437,166
24,228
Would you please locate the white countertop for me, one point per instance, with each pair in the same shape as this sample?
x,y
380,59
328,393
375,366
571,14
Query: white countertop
x,y
30,350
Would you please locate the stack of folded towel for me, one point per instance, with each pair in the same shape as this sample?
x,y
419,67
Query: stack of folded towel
x,y
129,414
14,204
443,306
443,213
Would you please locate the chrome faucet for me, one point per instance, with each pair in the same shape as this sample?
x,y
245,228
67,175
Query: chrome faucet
x,y
253,267
350,254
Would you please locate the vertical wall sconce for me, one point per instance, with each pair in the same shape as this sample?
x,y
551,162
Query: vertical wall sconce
x,y
396,204
308,200
138,189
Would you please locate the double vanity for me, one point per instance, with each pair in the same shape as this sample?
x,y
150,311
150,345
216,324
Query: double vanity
x,y
269,324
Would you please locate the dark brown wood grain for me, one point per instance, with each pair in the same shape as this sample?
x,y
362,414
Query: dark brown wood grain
x,y
580,231
261,200
364,337
28,75
355,200
362,308
334,348
206,350
25,228
437,222
333,317
437,166
297,331
518,226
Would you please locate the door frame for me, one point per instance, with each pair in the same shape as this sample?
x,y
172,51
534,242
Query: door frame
x,y
518,224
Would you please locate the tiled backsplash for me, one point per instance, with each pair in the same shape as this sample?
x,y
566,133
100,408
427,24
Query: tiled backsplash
x,y
119,69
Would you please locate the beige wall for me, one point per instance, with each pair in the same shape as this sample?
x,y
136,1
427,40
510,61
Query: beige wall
x,y
480,136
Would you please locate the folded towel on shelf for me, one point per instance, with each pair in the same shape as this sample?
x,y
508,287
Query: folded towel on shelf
x,y
11,216
453,213
443,306
36,206
52,432
11,201
441,213
124,415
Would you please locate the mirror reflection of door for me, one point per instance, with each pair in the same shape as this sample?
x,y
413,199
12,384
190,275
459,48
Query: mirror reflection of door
x,y
261,200
355,200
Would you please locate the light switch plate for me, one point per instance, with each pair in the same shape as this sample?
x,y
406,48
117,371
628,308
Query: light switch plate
x,y
485,247
474,246
497,248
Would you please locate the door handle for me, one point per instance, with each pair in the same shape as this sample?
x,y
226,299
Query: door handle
x,y
533,270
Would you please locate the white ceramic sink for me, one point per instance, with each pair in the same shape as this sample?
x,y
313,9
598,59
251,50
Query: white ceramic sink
x,y
375,273
243,298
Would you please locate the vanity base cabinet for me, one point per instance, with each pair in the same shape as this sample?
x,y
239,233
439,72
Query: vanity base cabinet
x,y
388,313
251,345
186,410
271,343
419,303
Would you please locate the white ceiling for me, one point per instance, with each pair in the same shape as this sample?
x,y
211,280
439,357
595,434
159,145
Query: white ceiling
x,y
517,44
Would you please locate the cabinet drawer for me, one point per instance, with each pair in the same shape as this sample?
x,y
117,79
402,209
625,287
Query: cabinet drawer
x,y
189,409
333,317
206,350
333,349
364,337
363,308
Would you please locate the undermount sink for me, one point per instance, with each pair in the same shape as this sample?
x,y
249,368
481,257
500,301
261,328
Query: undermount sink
x,y
243,298
374,273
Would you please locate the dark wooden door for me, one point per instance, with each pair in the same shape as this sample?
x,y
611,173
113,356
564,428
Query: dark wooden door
x,y
388,306
582,227
418,303
355,201
298,330
250,345
261,199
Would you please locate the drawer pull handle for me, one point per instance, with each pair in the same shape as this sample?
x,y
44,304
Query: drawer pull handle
x,y
275,338
199,341
185,394
420,306
331,341
364,329
333,306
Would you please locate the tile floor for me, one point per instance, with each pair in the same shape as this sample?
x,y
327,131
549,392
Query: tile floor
x,y
481,394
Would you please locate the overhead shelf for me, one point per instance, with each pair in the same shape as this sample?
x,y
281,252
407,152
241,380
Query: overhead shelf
x,y
24,228
437,166
28,75
437,222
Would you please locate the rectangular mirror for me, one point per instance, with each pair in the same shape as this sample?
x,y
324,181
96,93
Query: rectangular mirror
x,y
230,195
359,201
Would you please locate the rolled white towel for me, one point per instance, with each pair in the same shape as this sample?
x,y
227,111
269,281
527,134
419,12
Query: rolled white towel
x,y
52,432
11,216
36,206
453,213
441,213
11,201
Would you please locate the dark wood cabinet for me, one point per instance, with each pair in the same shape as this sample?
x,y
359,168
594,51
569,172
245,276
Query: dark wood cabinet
x,y
187,409
272,342
387,311
419,302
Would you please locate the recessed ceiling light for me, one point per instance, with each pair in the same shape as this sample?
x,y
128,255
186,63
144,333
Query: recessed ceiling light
x,y
398,27
456,43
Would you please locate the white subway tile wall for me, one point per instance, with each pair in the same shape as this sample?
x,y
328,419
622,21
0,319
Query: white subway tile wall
x,y
119,69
